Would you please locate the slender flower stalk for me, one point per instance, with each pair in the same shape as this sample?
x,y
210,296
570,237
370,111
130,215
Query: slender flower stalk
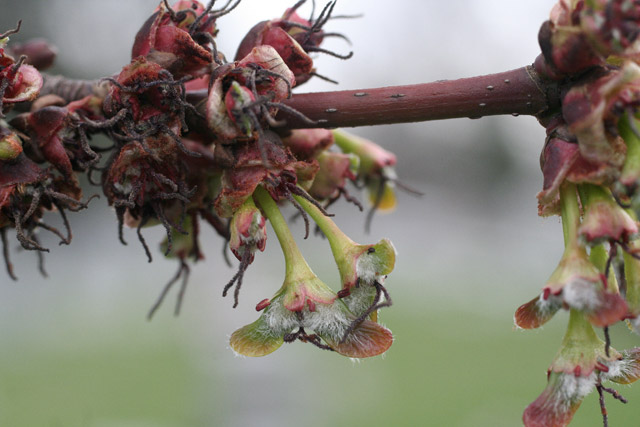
x,y
293,259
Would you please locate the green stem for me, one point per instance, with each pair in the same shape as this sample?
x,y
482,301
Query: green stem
x,y
346,142
599,257
632,159
338,241
570,215
590,193
632,273
580,333
294,261
353,144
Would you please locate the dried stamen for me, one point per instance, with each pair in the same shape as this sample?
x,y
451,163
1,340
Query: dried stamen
x,y
13,31
142,223
5,253
237,278
183,271
375,305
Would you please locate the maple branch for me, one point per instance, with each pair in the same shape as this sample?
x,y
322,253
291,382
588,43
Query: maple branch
x,y
514,92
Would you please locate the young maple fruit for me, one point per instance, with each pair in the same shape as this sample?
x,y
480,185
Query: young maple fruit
x,y
363,268
304,303
576,283
581,365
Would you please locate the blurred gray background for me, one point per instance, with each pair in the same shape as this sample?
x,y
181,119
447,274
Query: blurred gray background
x,y
76,349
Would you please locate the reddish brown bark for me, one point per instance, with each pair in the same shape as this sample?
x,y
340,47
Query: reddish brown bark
x,y
516,92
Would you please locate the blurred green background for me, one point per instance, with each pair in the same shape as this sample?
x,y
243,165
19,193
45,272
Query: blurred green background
x,y
76,349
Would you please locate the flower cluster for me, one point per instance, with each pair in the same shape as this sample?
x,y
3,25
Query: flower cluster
x,y
27,190
227,161
590,50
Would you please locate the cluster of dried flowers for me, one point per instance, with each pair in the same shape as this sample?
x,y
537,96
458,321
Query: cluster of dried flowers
x,y
591,169
228,162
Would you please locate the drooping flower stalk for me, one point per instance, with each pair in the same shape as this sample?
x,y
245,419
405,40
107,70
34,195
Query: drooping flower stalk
x,y
293,259
570,216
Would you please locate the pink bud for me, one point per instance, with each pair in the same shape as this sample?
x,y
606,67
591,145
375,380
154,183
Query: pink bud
x,y
248,230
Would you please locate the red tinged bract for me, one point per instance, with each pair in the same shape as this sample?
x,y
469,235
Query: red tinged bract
x,y
167,39
59,134
24,84
282,172
562,161
266,33
307,144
